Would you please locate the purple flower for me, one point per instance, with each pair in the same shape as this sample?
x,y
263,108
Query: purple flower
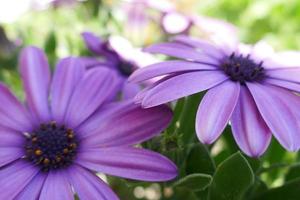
x,y
117,54
245,86
60,3
174,21
67,134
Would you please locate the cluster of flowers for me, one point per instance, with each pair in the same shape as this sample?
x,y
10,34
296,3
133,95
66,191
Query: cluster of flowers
x,y
72,126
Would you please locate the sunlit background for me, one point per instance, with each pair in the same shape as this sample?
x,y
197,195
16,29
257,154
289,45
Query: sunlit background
x,y
56,26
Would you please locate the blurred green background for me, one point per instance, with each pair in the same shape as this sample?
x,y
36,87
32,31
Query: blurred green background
x,y
57,30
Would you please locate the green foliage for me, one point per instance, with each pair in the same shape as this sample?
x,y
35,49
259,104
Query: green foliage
x,y
199,161
232,179
194,182
206,172
289,191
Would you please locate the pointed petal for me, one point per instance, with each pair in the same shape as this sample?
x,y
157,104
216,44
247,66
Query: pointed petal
x,y
33,189
140,96
248,127
13,114
93,90
128,162
15,177
167,67
93,43
288,74
204,45
11,138
277,107
284,84
135,125
10,154
36,79
181,51
68,73
215,111
103,113
88,186
56,186
181,86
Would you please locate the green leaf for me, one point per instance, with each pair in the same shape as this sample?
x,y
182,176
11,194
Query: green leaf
x,y
194,182
289,191
259,187
183,193
232,179
255,163
199,161
203,194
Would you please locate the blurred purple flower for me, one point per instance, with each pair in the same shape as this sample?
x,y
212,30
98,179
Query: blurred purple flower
x,y
54,148
59,3
245,85
118,54
173,21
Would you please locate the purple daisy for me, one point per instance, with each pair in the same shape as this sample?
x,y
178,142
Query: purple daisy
x,y
245,84
173,21
51,150
118,54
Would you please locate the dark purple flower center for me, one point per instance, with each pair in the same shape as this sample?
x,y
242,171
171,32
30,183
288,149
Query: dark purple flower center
x,y
51,147
126,68
242,68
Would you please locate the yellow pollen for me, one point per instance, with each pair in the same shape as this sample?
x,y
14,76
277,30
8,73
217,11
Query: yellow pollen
x,y
38,152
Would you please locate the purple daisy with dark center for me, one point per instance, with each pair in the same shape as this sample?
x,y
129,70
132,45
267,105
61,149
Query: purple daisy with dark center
x,y
245,86
117,54
52,147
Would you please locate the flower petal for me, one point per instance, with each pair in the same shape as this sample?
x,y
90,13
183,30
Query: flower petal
x,y
10,154
88,186
93,43
288,74
182,85
140,96
13,114
15,177
135,125
204,45
167,67
128,162
95,87
129,90
36,78
56,186
248,127
277,107
90,62
215,111
11,138
174,22
33,189
284,84
103,113
68,73
181,51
